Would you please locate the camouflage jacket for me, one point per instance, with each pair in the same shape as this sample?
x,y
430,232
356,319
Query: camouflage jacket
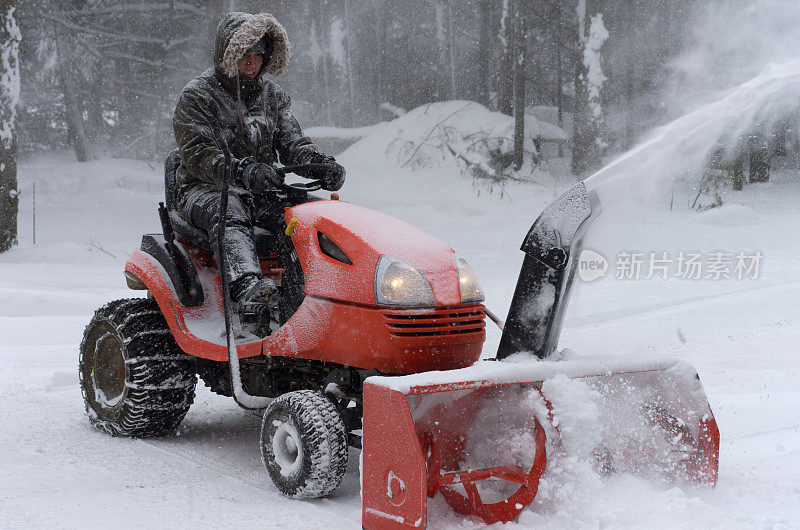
x,y
263,127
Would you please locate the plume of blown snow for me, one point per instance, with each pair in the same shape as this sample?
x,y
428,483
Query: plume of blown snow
x,y
668,165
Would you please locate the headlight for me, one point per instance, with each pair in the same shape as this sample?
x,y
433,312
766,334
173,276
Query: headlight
x,y
398,283
471,290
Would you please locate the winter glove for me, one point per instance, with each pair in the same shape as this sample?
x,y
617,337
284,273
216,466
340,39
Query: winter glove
x,y
258,177
332,177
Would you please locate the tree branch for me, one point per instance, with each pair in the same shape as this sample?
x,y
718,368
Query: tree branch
x,y
120,55
100,248
404,164
102,33
145,8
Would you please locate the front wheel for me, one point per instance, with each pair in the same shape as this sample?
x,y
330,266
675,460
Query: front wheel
x,y
304,444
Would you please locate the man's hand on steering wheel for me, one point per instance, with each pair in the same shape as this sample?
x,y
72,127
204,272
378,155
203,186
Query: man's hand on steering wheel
x,y
331,177
258,177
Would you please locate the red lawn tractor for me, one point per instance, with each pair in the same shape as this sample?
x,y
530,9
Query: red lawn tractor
x,y
376,346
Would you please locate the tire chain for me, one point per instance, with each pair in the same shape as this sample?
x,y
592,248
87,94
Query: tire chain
x,y
159,380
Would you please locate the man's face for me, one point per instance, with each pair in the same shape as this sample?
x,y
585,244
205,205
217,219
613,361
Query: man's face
x,y
250,64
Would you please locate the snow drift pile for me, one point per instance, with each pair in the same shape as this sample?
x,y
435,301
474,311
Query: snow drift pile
x,y
463,133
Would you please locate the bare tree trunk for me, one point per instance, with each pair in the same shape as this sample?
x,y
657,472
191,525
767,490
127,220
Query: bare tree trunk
x,y
505,73
75,125
451,48
327,86
9,96
582,143
95,122
317,88
128,108
484,51
382,16
349,61
76,130
630,89
323,23
520,63
441,44
560,73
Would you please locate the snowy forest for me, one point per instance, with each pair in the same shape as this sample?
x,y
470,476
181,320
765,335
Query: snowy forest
x,y
388,340
103,77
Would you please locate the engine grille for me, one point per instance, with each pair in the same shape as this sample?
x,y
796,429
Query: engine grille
x,y
438,322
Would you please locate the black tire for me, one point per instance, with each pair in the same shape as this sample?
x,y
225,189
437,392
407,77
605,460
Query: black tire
x,y
304,444
135,380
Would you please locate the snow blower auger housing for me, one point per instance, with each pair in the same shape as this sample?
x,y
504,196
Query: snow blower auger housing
x,y
479,438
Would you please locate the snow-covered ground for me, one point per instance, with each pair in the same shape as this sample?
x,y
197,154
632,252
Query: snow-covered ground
x,y
741,335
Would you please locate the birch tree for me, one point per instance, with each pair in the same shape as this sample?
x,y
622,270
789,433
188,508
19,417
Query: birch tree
x,y
10,38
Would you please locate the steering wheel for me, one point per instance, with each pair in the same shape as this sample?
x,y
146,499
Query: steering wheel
x,y
314,185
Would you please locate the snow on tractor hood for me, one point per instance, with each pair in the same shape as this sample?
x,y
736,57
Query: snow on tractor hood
x,y
365,235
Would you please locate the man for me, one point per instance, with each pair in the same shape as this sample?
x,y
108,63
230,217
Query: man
x,y
254,115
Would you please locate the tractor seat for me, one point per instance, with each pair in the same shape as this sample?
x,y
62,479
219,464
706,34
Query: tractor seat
x,y
264,239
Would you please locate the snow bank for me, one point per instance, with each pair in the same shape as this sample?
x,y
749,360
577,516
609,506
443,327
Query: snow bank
x,y
449,132
345,133
54,175
334,140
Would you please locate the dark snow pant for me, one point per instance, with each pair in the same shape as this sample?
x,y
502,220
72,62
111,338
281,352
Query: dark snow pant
x,y
243,215
240,247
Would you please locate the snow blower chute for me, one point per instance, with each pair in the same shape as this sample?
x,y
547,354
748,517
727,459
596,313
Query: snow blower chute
x,y
478,439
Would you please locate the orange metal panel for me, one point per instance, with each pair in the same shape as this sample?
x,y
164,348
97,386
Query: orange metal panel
x,y
394,473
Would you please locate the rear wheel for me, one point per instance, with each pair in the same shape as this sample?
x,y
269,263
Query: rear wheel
x,y
304,444
135,380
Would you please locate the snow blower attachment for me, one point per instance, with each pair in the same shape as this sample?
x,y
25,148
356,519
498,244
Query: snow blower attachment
x,y
479,439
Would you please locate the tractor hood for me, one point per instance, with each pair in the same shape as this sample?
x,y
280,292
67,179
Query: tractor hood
x,y
364,235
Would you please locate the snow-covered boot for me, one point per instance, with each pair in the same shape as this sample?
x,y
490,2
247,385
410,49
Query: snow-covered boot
x,y
250,295
254,290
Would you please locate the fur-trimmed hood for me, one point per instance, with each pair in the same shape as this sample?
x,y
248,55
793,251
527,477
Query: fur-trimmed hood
x,y
237,32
